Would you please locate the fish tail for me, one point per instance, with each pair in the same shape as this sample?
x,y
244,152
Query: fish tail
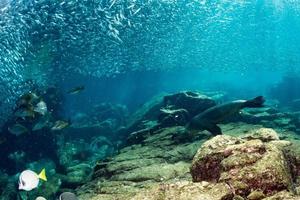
x,y
255,103
42,175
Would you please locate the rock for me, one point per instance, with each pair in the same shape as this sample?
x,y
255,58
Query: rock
x,y
263,134
139,136
234,168
76,176
238,197
245,165
169,110
4,178
177,117
157,172
104,128
101,113
71,153
283,121
46,164
218,96
9,192
47,189
149,112
283,195
138,166
193,102
186,190
206,163
104,111
256,195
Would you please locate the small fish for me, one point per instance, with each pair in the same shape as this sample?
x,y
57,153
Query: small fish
x,y
76,90
59,125
41,108
18,129
29,180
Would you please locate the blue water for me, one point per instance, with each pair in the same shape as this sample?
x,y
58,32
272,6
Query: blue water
x,y
127,52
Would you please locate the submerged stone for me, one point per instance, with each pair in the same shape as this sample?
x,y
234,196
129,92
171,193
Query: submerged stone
x,y
244,164
263,134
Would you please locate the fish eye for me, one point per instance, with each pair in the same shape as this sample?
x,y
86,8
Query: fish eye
x,y
23,183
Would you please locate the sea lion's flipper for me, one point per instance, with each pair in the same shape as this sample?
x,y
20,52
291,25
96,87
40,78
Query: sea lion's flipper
x,y
214,129
255,103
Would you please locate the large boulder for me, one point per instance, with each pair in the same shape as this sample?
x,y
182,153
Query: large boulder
x,y
193,102
255,163
166,111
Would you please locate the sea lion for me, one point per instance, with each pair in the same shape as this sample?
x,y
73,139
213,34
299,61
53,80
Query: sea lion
x,y
209,119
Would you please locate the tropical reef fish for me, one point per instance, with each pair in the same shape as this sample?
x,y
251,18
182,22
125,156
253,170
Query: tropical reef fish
x,y
29,180
209,119
59,125
68,196
17,129
41,108
76,90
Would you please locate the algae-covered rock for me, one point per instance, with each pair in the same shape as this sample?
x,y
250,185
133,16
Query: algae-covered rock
x,y
186,190
158,160
283,195
4,178
263,134
47,189
256,195
76,175
176,117
170,110
193,102
256,166
149,111
157,172
10,191
245,164
206,163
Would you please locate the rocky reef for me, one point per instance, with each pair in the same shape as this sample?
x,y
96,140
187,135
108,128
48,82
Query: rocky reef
x,y
254,159
256,165
111,154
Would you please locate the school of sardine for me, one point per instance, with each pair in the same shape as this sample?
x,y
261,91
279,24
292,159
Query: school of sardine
x,y
41,40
